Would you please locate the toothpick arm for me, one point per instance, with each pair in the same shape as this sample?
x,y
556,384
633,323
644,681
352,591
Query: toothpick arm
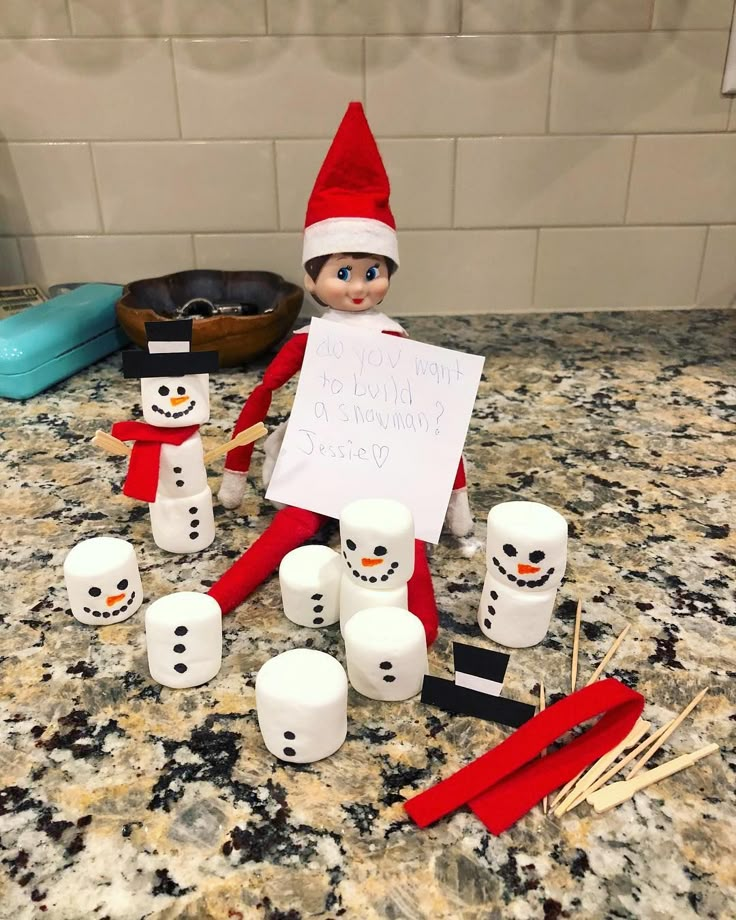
x,y
247,436
112,445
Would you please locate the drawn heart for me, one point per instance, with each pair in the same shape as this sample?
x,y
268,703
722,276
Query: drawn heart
x,y
380,454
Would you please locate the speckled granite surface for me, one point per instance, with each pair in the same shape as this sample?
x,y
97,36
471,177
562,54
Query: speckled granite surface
x,y
121,799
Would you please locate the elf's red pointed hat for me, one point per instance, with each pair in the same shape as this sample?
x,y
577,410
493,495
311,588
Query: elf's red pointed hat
x,y
348,210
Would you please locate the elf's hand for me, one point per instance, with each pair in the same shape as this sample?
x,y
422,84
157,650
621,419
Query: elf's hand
x,y
232,489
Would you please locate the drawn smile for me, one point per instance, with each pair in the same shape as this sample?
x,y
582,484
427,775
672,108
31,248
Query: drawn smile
x,y
114,598
525,570
371,562
175,414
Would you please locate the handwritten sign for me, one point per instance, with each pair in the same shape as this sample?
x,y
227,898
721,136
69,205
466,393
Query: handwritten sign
x,y
376,416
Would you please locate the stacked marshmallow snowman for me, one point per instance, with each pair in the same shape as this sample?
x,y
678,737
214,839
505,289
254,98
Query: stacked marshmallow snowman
x,y
103,581
377,541
167,465
526,554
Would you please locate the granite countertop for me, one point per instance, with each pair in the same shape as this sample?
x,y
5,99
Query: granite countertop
x,y
122,799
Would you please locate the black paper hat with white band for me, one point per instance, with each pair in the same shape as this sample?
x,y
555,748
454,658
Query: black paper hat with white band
x,y
169,353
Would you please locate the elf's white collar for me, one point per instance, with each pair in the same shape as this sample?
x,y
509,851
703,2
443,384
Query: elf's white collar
x,y
370,320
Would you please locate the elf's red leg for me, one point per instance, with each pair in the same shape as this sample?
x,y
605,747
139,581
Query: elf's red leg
x,y
290,528
421,593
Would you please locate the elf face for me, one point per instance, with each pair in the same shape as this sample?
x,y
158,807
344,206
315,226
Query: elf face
x,y
350,285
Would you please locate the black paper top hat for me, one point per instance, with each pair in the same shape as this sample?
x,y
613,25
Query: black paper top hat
x,y
169,353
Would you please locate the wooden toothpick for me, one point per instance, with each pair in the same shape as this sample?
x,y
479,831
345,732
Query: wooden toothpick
x,y
617,767
112,445
616,793
665,734
575,647
247,436
580,790
596,674
609,654
542,705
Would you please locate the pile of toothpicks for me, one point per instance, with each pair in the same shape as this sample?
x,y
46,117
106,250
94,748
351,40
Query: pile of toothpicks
x,y
592,785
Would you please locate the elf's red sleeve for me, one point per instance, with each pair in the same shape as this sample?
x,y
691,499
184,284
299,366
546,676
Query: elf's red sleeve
x,y
283,367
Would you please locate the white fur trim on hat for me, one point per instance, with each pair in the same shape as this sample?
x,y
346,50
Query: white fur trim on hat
x,y
350,234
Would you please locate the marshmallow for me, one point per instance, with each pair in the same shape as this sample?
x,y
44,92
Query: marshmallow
x,y
183,525
301,700
386,651
377,537
512,618
310,585
103,581
175,402
526,545
184,639
354,597
182,470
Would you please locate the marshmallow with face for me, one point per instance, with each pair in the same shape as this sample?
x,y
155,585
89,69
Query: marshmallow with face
x,y
301,701
184,639
310,585
386,652
526,555
103,581
183,525
176,401
377,538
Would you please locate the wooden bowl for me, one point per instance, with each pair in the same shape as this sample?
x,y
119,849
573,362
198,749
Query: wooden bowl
x,y
237,339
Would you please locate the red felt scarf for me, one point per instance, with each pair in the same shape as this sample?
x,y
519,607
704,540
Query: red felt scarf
x,y
142,479
506,782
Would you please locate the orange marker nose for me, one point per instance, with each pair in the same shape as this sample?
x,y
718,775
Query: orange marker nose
x,y
369,562
113,599
527,569
177,400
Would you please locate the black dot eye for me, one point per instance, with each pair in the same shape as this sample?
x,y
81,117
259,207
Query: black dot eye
x,y
181,391
163,391
122,585
350,545
536,556
380,551
509,549
95,592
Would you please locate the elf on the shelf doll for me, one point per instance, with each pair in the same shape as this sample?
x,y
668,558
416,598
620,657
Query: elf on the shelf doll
x,y
350,252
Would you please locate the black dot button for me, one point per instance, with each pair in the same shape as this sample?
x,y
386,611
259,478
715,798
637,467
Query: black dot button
x,y
487,623
289,751
181,631
290,736
179,648
181,668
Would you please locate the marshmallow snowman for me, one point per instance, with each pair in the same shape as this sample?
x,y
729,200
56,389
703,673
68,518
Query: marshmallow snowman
x,y
386,652
174,395
184,639
103,581
377,542
301,701
310,585
526,555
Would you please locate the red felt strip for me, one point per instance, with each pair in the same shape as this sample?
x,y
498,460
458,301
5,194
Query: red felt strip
x,y
143,468
506,782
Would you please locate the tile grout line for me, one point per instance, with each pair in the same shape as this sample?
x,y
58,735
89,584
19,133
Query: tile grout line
x,y
68,5
548,113
537,241
96,183
364,71
277,201
177,103
699,281
453,186
627,197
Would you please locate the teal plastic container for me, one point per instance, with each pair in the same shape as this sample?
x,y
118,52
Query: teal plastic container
x,y
49,342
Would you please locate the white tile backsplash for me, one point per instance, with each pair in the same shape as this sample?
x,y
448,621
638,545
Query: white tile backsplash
x,y
185,187
543,154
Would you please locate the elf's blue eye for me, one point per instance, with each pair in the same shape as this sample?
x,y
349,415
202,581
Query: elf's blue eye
x,y
343,274
372,273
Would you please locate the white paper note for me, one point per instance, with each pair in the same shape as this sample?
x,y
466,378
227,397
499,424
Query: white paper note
x,y
376,416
